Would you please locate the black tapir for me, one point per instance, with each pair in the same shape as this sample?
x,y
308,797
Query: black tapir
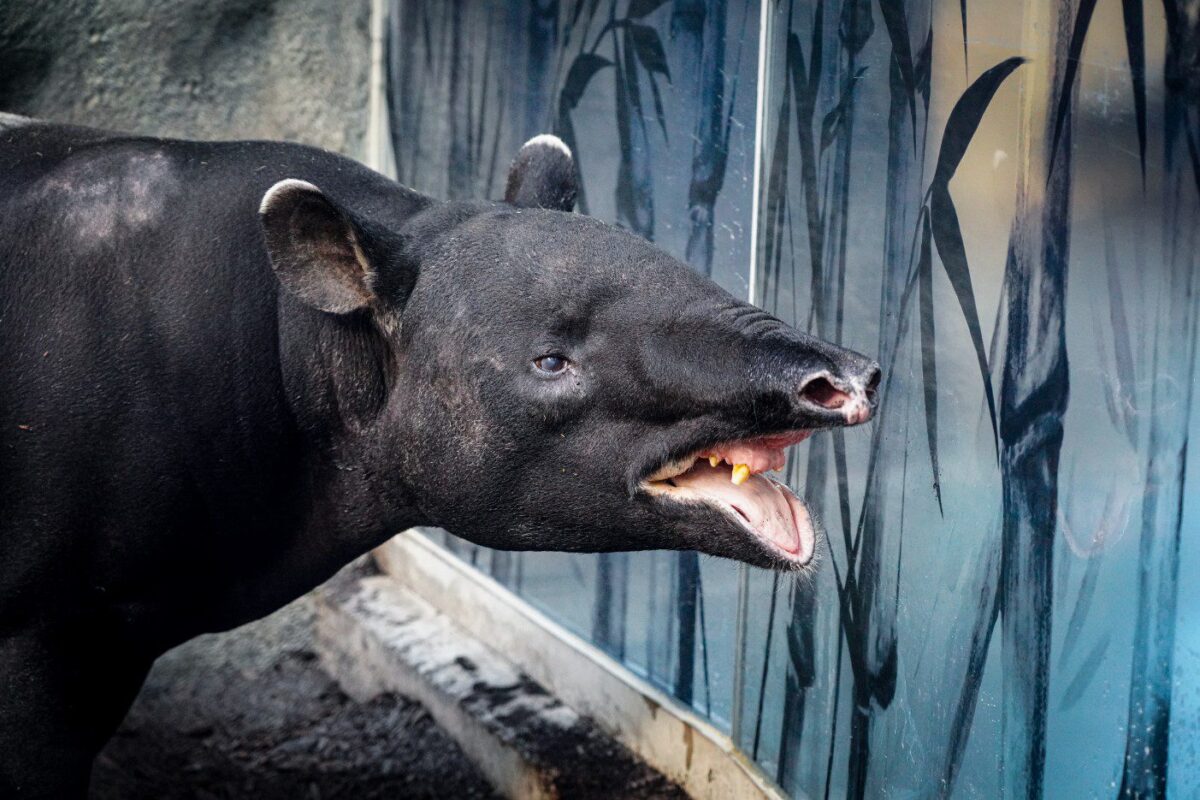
x,y
229,368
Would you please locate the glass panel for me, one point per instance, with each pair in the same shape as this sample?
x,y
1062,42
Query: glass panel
x,y
1002,606
657,102
999,613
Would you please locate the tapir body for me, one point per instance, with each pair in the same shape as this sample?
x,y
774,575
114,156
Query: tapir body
x,y
227,369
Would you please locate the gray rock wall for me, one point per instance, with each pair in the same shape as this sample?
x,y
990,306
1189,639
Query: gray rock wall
x,y
199,69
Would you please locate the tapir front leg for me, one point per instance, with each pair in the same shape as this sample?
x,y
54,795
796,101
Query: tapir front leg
x,y
64,688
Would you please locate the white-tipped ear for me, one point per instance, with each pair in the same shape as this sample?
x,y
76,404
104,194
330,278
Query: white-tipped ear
x,y
314,248
278,192
549,140
543,175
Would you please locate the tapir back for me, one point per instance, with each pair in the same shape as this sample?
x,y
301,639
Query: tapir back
x,y
141,390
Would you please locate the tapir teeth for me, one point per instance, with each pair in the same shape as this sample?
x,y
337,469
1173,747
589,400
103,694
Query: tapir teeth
x,y
741,474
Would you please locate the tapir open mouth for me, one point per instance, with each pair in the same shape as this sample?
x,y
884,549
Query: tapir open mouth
x,y
730,478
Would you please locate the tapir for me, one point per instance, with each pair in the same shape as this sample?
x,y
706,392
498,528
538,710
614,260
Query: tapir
x,y
229,368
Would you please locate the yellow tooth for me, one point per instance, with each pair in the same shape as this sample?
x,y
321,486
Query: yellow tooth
x,y
714,460
741,474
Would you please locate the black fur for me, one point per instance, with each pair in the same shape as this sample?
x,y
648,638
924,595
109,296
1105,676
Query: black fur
x,y
185,447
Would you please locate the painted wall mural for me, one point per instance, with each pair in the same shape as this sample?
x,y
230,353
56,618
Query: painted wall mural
x,y
1001,201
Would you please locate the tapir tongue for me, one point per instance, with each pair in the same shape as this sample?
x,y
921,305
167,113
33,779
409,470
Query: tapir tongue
x,y
768,507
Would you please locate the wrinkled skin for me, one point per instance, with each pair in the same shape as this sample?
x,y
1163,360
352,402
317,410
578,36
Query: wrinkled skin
x,y
221,383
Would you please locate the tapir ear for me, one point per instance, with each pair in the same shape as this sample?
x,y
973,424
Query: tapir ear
x,y
543,175
315,248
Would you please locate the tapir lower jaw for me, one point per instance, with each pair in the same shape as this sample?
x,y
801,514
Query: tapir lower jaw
x,y
727,481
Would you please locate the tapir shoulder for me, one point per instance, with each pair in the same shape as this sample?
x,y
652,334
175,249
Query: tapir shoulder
x,y
153,219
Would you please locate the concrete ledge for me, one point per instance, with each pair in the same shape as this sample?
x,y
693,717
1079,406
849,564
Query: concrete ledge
x,y
672,739
374,635
13,120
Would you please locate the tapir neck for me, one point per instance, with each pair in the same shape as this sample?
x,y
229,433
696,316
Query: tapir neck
x,y
346,501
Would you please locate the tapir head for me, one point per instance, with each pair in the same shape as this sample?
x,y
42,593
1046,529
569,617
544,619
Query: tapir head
x,y
550,382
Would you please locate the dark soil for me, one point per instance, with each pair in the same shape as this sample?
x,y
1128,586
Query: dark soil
x,y
583,763
250,714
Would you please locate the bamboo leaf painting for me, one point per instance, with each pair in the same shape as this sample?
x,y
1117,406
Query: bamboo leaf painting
x,y
1083,18
583,69
923,70
928,351
648,46
1123,370
643,8
897,28
832,123
1085,674
1080,609
856,25
965,117
1135,43
659,113
947,234
816,49
962,15
883,688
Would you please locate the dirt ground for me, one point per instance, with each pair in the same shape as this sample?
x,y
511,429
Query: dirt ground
x,y
250,714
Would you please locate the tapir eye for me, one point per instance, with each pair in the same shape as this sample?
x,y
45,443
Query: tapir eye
x,y
550,364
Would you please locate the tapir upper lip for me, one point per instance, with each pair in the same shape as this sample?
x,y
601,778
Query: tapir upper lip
x,y
713,434
692,447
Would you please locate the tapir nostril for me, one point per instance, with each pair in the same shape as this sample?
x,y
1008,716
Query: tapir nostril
x,y
823,393
873,384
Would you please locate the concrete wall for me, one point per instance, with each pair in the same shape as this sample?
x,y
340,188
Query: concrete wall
x,y
202,69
